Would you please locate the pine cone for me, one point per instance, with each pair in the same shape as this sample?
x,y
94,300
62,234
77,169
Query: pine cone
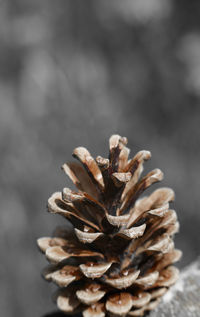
x,y
117,258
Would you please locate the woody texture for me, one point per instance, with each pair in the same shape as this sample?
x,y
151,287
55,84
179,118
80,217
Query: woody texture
x,y
117,257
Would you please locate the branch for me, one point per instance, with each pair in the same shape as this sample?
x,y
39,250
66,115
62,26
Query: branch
x,y
183,299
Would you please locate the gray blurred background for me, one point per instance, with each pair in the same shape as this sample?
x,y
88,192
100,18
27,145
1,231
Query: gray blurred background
x,y
72,73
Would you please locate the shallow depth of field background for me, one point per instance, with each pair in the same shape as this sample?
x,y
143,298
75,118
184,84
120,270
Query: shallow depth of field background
x,y
72,73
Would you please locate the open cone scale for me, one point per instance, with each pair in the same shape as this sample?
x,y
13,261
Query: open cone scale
x,y
117,259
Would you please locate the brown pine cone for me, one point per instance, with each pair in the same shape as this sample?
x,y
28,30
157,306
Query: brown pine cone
x,y
117,259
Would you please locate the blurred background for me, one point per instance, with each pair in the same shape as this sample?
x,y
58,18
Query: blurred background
x,y
73,73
